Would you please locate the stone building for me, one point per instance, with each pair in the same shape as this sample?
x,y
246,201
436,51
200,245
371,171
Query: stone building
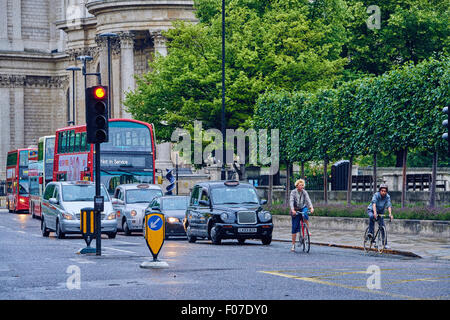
x,y
40,39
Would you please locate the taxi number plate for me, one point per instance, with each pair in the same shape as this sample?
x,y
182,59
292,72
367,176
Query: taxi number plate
x,y
246,230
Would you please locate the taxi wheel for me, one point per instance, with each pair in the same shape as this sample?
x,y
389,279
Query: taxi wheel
x,y
190,237
266,240
215,238
125,228
59,233
112,235
44,230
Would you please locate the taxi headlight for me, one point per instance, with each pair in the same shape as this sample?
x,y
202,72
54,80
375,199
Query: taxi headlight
x,y
227,217
133,213
111,216
265,216
173,220
67,216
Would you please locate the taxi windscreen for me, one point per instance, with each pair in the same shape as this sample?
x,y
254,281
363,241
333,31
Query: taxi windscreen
x,y
82,193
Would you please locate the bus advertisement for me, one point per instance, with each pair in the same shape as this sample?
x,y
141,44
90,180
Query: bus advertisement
x,y
40,173
128,157
17,192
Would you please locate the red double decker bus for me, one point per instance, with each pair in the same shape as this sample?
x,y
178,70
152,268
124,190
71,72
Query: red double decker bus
x,y
128,157
17,192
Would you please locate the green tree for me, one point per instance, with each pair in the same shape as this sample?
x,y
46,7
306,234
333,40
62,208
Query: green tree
x,y
269,46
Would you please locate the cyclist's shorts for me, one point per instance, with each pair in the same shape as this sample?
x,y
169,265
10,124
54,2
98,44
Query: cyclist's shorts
x,y
296,224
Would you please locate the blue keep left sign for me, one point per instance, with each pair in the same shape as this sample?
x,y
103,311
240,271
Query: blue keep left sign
x,y
155,223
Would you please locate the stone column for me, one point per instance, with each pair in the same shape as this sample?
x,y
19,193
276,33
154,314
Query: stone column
x,y
4,129
159,42
17,43
4,43
19,116
126,67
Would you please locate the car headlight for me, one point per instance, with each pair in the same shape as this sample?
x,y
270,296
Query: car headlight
x,y
173,220
67,216
227,217
133,213
264,216
111,216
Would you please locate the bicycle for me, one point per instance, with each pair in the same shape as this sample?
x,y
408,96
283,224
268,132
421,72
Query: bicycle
x,y
304,239
379,240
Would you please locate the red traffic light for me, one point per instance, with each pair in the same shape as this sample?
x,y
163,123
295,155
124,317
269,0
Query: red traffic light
x,y
99,92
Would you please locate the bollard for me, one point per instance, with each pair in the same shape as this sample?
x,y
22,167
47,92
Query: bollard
x,y
87,228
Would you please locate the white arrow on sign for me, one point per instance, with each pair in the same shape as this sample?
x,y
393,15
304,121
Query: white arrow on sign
x,y
154,223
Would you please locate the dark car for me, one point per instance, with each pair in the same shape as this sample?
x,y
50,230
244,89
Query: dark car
x,y
174,209
227,210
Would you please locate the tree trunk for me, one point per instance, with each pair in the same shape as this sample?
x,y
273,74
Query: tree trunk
x,y
405,151
374,178
349,182
433,180
269,191
288,183
303,171
325,180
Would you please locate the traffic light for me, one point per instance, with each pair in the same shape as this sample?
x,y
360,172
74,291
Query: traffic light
x,y
97,114
446,123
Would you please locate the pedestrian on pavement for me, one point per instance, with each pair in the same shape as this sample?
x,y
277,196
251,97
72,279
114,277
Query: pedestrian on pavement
x,y
299,201
380,201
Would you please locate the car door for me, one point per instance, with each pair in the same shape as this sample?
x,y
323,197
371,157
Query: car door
x,y
191,211
46,211
54,209
204,211
119,207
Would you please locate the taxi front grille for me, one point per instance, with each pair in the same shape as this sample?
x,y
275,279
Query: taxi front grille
x,y
77,216
246,217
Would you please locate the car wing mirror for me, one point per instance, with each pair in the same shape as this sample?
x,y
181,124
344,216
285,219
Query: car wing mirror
x,y
53,201
204,203
263,202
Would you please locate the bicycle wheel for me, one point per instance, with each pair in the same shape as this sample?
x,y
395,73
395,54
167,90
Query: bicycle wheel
x,y
305,243
367,244
381,238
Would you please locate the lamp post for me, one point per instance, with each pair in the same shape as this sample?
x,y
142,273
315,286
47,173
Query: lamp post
x,y
73,69
108,36
223,172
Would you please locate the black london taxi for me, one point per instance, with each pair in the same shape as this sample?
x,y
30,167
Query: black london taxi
x,y
220,210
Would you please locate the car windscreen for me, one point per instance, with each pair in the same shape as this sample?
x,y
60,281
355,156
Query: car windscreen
x,y
82,193
142,195
234,195
175,203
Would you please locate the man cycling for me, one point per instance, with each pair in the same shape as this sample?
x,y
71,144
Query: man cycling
x,y
380,201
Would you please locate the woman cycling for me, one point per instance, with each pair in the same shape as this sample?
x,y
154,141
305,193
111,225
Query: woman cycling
x,y
299,201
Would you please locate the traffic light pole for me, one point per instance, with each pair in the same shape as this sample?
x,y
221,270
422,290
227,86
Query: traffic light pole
x,y
98,223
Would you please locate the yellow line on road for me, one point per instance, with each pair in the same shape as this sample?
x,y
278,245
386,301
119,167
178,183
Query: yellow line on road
x,y
318,281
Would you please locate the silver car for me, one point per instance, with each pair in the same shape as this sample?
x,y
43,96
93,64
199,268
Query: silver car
x,y
61,207
130,201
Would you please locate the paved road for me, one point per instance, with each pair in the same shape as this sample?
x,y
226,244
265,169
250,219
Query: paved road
x,y
33,267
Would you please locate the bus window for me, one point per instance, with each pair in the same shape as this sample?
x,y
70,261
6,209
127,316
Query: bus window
x,y
83,142
23,159
41,150
62,137
72,140
76,148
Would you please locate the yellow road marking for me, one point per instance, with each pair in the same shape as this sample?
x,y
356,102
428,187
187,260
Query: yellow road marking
x,y
315,280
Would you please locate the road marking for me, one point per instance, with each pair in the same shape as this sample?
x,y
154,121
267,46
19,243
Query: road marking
x,y
120,250
318,281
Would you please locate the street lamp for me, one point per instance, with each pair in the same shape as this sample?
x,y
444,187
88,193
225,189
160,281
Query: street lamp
x,y
73,69
223,173
108,36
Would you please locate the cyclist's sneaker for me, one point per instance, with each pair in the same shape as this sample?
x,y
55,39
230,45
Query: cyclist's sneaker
x,y
387,247
293,248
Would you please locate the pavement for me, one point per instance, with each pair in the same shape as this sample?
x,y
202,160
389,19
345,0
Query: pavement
x,y
406,245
